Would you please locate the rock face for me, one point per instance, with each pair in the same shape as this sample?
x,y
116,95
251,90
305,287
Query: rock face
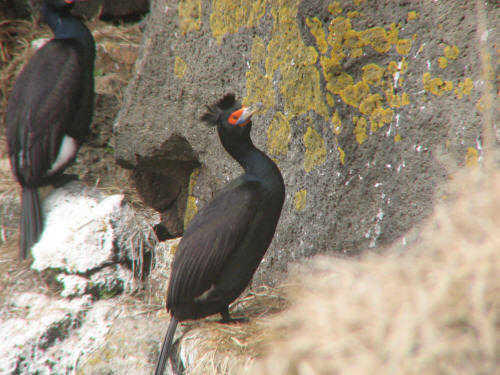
x,y
361,101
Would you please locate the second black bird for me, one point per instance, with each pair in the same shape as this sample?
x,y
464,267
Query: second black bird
x,y
49,111
226,241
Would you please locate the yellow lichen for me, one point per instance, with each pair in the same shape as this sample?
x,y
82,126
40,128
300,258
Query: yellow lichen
x,y
443,62
354,14
379,118
464,88
180,67
412,15
356,52
331,65
376,37
336,80
358,2
173,248
397,138
278,135
393,34
192,180
315,154
392,67
436,85
352,39
191,205
372,74
471,157
316,29
329,99
341,155
335,8
370,103
447,86
300,88
396,101
467,86
355,94
228,16
451,52
189,15
300,200
259,85
404,66
405,99
403,46
336,30
191,210
336,123
360,129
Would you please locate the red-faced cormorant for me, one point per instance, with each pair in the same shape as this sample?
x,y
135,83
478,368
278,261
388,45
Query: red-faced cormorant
x,y
226,241
49,111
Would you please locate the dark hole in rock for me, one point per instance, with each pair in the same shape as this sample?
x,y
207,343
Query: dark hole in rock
x,y
162,232
162,181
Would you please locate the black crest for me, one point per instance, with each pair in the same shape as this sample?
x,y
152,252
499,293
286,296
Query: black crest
x,y
214,111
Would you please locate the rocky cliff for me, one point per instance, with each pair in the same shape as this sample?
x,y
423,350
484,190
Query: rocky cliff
x,y
369,109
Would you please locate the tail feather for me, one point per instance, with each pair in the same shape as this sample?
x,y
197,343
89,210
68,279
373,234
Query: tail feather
x,y
166,348
31,221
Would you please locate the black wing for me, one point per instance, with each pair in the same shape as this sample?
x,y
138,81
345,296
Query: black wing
x,y
41,106
210,240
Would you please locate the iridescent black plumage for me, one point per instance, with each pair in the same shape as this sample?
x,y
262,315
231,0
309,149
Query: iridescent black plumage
x,y
226,241
49,111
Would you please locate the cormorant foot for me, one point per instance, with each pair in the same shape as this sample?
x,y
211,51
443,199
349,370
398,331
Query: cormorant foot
x,y
233,320
226,318
65,179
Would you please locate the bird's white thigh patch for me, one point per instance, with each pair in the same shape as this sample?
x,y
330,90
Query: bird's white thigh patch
x,y
67,150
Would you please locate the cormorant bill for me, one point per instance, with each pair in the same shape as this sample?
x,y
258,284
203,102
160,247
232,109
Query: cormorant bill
x,y
226,241
49,111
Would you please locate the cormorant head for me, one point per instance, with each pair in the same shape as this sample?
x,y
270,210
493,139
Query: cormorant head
x,y
227,114
60,5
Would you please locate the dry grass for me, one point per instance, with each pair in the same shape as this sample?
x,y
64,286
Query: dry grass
x,y
229,348
15,50
432,310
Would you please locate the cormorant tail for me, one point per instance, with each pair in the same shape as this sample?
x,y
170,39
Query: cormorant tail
x,y
31,220
166,348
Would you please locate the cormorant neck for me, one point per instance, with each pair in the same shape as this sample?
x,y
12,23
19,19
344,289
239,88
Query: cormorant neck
x,y
66,26
254,161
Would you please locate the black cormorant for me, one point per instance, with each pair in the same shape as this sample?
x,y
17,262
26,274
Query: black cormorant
x,y
226,241
49,111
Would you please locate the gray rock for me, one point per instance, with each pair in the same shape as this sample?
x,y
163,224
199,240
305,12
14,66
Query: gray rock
x,y
354,179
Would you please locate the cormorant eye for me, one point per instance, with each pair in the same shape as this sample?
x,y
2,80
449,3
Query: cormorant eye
x,y
235,116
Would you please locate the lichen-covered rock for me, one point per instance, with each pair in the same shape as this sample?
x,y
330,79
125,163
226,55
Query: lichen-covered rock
x,y
367,108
